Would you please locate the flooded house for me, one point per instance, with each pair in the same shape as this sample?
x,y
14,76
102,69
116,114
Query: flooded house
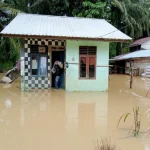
x,y
81,44
138,57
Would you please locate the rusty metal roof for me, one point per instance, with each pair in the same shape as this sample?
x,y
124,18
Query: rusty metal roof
x,y
140,41
63,27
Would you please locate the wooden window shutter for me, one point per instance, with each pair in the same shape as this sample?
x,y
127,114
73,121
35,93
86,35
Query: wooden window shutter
x,y
87,50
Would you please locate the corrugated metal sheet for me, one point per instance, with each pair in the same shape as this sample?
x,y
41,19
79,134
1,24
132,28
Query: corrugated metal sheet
x,y
140,41
60,26
136,54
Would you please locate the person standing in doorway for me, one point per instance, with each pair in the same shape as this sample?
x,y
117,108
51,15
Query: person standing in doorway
x,y
58,71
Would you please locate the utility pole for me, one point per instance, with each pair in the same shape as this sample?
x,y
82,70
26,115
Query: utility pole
x,y
131,74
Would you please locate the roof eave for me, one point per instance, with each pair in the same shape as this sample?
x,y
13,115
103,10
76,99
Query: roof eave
x,y
130,58
134,45
65,38
121,59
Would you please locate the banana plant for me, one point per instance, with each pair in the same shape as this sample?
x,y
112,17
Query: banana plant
x,y
136,120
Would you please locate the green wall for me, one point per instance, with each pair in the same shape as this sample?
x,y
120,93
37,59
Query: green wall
x,y
73,83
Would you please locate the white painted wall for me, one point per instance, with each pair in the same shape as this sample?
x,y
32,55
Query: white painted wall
x,y
141,65
146,45
73,83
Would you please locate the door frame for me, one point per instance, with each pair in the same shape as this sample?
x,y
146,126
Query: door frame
x,y
59,50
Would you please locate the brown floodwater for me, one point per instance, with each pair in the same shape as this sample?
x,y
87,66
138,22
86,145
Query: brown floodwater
x,y
59,120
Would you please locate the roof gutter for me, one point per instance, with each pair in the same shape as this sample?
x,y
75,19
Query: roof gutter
x,y
65,38
129,58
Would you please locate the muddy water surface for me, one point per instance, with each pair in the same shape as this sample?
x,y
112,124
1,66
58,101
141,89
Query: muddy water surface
x,y
59,120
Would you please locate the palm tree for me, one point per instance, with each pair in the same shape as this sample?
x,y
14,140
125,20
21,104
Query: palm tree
x,y
9,47
132,17
55,7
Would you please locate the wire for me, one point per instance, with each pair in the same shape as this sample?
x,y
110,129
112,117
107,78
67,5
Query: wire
x,y
114,31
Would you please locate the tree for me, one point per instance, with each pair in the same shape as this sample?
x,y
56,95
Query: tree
x,y
95,9
9,48
130,16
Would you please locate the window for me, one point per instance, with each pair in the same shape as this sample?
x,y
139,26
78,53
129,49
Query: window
x,y
34,59
87,62
43,65
38,62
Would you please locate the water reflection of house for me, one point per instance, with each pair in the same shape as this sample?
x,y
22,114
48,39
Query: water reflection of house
x,y
68,116
82,43
139,56
87,114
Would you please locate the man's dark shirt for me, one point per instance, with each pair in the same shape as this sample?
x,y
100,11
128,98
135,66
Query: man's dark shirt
x,y
58,70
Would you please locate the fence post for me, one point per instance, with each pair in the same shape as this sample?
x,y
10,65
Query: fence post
x,y
131,74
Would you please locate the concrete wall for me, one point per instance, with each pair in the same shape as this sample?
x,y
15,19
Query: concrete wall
x,y
73,83
140,63
38,81
146,45
35,81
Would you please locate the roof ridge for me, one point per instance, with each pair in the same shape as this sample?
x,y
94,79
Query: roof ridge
x,y
74,17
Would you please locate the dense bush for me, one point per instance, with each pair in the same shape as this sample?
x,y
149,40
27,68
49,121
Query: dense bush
x,y
130,16
9,53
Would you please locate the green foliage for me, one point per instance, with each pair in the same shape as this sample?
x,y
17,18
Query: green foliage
x,y
112,50
49,7
4,66
96,9
9,48
125,48
130,16
9,52
136,120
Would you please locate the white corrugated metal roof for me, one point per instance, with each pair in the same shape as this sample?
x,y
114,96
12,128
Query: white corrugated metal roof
x,y
136,54
61,26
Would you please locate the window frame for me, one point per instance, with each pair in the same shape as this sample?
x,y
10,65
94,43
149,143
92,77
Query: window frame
x,y
87,56
39,60
40,55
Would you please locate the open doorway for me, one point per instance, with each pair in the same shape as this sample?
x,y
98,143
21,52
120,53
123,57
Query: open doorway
x,y
58,55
